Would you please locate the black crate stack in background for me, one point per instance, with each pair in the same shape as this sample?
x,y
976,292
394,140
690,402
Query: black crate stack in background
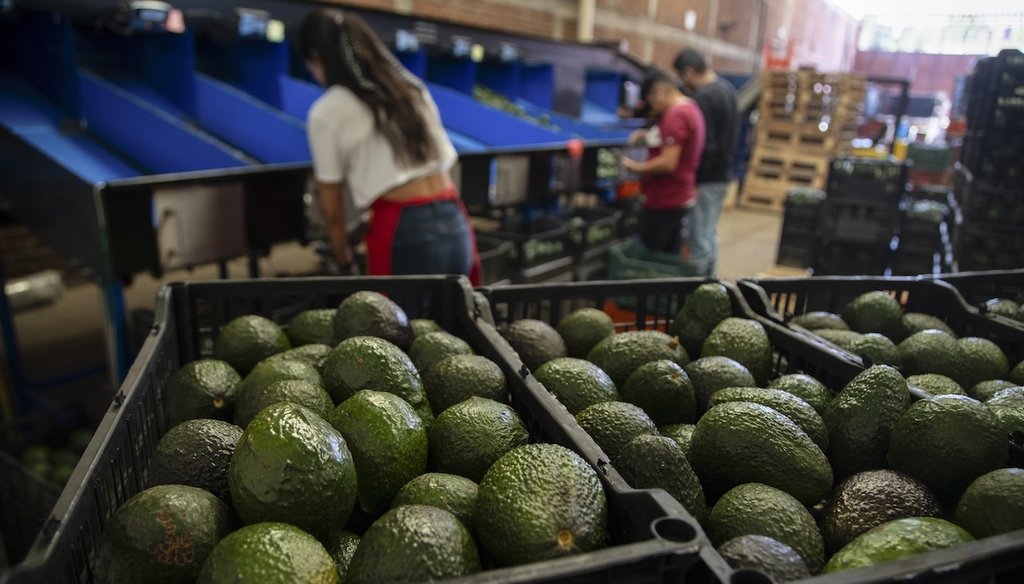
x,y
860,216
993,205
801,220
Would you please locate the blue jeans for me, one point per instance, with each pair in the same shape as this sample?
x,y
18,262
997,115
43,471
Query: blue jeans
x,y
433,238
704,226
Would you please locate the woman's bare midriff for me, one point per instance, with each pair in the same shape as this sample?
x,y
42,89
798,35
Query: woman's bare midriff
x,y
426,186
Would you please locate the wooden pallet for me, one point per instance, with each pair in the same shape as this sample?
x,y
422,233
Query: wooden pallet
x,y
764,194
773,173
795,138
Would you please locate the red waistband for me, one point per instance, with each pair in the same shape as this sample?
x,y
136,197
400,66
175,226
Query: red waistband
x,y
449,194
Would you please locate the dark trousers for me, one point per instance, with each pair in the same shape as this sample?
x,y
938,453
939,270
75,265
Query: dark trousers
x,y
662,229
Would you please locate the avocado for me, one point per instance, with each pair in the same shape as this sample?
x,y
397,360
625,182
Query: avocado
x,y
818,320
986,389
540,502
247,340
983,360
269,372
342,545
468,437
196,453
456,495
873,312
932,351
936,384
291,465
577,384
703,310
947,441
993,504
269,553
657,462
388,444
681,433
461,377
583,329
760,552
869,499
758,509
423,326
312,327
314,355
612,425
794,408
371,314
744,341
876,349
861,418
162,534
414,543
201,389
432,348
1017,374
914,322
664,391
296,391
806,388
743,442
844,339
535,342
711,374
373,363
897,539
1008,406
622,354
1002,307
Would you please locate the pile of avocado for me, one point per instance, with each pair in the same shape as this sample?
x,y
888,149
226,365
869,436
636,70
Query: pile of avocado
x,y
784,476
352,445
56,465
1013,309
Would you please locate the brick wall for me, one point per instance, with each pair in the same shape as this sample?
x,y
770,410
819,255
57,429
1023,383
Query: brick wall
x,y
731,32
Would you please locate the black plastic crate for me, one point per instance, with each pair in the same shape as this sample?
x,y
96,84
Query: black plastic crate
x,y
796,251
916,264
654,304
844,259
801,219
592,227
780,299
629,222
872,224
995,205
866,180
653,538
979,287
495,260
535,242
981,246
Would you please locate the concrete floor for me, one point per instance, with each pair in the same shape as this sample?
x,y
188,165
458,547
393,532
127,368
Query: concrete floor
x,y
68,336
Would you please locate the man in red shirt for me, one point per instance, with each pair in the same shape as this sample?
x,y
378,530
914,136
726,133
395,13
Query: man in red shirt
x,y
674,146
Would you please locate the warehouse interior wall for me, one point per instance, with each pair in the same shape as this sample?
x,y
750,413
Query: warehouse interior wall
x,y
733,33
927,73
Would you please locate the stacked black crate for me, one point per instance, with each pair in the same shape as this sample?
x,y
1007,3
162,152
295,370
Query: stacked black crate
x,y
923,243
801,221
860,216
990,237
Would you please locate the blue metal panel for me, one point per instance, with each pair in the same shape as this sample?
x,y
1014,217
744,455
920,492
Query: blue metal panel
x,y
464,115
457,74
297,96
537,85
41,48
142,90
264,133
465,144
156,140
501,77
414,61
167,63
602,91
252,65
575,126
29,115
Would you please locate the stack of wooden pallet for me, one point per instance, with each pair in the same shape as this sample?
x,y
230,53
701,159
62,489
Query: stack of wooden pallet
x,y
805,118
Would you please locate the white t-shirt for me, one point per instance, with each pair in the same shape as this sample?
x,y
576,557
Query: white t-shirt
x,y
348,149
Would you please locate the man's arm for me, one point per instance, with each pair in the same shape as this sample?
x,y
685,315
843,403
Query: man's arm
x,y
664,163
332,200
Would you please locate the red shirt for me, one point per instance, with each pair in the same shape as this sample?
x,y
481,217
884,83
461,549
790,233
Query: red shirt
x,y
681,125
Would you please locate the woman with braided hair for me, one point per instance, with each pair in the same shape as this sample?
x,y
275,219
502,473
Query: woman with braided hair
x,y
376,138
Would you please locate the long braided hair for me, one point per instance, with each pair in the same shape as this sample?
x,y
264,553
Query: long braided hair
x,y
354,57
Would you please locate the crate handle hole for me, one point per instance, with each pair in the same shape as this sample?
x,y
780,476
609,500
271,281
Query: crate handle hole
x,y
675,529
750,577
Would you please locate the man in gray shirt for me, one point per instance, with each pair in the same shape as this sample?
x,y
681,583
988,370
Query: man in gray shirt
x,y
717,101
